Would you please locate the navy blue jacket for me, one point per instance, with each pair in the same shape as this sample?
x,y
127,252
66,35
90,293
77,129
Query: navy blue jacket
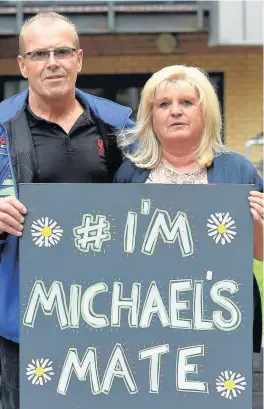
x,y
226,168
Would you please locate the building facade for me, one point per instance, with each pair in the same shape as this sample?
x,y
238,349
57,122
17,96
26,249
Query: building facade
x,y
125,42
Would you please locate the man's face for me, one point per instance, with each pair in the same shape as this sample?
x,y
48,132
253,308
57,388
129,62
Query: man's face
x,y
53,78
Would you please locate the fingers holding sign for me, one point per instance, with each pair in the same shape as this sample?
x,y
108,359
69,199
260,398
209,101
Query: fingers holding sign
x,y
12,213
256,200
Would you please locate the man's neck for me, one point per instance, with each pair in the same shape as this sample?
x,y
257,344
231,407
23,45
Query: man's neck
x,y
54,110
64,113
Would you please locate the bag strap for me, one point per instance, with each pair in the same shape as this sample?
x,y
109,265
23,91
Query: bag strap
x,y
23,155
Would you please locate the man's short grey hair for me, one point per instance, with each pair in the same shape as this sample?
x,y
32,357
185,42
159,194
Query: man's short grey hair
x,y
49,15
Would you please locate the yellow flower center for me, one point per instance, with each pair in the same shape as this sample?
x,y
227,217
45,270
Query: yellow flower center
x,y
229,385
39,371
46,231
221,228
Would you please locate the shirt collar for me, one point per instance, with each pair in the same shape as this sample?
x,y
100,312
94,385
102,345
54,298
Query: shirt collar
x,y
33,119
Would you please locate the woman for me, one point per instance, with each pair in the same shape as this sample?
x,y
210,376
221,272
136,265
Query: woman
x,y
177,139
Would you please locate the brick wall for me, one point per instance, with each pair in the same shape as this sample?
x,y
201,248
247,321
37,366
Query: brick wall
x,y
242,68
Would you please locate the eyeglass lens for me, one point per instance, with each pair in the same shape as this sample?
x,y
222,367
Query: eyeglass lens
x,y
64,52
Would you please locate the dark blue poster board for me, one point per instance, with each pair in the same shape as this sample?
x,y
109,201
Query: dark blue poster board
x,y
136,297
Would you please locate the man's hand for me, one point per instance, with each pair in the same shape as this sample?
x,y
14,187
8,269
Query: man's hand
x,y
11,216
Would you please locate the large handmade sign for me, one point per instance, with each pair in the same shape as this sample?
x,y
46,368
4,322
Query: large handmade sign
x,y
136,296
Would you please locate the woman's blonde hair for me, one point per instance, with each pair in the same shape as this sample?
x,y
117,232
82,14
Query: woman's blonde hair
x,y
142,146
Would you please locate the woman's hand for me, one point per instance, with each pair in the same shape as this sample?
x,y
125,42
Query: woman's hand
x,y
256,200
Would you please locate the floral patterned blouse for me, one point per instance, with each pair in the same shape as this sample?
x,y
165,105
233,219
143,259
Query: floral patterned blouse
x,y
163,173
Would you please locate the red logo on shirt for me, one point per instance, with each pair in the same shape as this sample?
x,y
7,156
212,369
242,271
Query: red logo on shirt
x,y
101,147
3,142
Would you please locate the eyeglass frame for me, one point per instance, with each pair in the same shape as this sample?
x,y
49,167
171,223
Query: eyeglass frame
x,y
49,52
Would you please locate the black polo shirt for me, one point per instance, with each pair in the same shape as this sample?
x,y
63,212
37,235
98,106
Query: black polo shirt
x,y
76,157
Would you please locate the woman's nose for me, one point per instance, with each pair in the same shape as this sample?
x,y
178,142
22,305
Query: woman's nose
x,y
176,109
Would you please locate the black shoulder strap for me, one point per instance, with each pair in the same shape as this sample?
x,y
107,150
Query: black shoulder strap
x,y
113,154
257,323
23,153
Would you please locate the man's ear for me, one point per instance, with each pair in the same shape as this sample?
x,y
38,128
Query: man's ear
x,y
80,58
22,66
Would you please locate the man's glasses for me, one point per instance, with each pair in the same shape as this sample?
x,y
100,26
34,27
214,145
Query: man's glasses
x,y
43,55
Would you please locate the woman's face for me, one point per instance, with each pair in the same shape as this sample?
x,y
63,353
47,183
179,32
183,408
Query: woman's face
x,y
178,116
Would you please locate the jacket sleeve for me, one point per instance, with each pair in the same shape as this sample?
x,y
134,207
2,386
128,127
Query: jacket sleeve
x,y
242,170
257,180
129,123
4,168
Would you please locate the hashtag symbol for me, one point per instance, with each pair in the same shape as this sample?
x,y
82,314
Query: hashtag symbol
x,y
92,233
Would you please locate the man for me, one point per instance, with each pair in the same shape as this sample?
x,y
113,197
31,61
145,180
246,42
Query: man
x,y
50,133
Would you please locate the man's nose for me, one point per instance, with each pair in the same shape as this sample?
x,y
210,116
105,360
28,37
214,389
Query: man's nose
x,y
52,60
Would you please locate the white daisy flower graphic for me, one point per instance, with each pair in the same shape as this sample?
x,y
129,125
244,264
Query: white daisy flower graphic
x,y
39,371
230,384
46,232
221,227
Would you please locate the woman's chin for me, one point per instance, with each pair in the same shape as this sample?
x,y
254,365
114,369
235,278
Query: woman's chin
x,y
179,138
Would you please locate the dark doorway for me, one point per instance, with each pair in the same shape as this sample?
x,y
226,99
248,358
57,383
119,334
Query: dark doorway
x,y
124,89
